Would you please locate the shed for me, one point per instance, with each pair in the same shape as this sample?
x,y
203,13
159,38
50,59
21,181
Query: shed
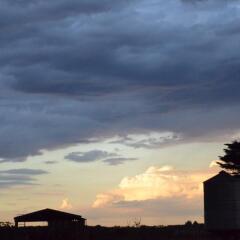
x,y
54,218
222,202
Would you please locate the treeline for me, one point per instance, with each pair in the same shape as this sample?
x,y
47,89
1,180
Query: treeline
x,y
180,232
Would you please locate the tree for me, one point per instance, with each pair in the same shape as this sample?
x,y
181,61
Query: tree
x,y
188,223
136,222
231,160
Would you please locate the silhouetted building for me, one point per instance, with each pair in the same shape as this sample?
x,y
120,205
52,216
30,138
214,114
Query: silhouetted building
x,y
222,202
54,218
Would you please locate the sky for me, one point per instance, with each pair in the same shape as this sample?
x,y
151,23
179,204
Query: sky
x,y
116,110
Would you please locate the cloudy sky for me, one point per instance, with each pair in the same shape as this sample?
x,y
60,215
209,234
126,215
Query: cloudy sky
x,y
116,110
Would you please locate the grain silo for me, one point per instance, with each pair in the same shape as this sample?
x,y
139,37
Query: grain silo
x,y
222,202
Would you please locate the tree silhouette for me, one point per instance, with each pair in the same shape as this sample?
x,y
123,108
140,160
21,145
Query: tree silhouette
x,y
231,160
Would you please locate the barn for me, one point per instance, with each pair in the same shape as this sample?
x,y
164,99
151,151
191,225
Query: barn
x,y
222,202
54,218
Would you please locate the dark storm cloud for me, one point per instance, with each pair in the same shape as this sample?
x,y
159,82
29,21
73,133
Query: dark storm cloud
x,y
81,71
15,13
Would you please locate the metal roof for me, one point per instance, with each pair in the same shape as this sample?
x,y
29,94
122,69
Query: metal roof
x,y
223,176
47,215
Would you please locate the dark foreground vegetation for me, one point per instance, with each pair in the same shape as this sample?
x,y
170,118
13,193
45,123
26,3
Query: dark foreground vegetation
x,y
179,232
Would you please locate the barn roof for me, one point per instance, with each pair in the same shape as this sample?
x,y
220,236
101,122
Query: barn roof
x,y
47,215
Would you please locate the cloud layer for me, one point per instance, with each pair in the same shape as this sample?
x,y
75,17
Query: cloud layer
x,y
19,177
111,158
72,71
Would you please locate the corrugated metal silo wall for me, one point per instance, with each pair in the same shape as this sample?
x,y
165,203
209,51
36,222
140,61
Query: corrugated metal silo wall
x,y
237,202
221,205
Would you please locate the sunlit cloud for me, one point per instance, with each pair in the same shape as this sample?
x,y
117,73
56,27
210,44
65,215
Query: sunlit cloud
x,y
156,183
106,198
65,205
214,164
